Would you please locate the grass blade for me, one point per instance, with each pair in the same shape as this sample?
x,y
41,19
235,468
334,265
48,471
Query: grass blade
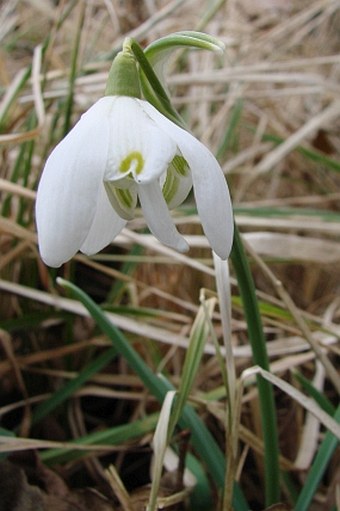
x,y
202,440
320,464
71,386
260,357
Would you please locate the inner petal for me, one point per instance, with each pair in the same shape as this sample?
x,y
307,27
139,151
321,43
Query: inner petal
x,y
177,183
180,165
158,218
138,148
123,200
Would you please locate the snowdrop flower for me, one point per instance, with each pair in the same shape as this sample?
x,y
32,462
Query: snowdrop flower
x,y
123,151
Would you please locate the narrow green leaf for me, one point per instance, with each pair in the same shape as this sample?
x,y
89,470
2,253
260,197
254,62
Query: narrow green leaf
x,y
198,336
73,73
110,436
229,135
153,89
160,444
320,398
316,156
71,386
260,357
202,440
316,473
159,49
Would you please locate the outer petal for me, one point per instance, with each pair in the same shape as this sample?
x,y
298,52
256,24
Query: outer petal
x,y
210,187
158,218
143,149
68,189
212,196
105,226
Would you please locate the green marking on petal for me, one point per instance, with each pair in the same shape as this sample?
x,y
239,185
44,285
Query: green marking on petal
x,y
177,183
121,199
125,197
180,165
170,186
133,162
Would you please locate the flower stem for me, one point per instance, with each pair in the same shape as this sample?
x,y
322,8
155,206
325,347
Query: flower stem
x,y
260,357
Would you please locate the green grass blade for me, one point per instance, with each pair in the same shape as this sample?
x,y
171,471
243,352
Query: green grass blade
x,y
313,155
19,84
71,386
160,442
205,445
111,436
73,74
230,133
202,440
320,398
198,337
320,464
260,357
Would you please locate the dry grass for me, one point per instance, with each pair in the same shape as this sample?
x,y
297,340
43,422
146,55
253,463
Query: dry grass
x,y
270,109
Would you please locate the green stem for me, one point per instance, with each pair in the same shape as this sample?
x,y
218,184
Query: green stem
x,y
260,357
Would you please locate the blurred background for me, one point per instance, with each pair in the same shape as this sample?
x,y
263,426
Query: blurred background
x,y
269,109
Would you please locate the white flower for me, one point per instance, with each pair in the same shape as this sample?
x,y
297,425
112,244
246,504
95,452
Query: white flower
x,y
121,150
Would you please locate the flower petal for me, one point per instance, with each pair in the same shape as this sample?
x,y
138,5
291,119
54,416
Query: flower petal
x,y
143,150
158,218
212,197
210,187
177,183
123,200
105,226
68,189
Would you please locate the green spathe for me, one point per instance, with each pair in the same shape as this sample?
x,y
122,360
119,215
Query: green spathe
x,y
123,77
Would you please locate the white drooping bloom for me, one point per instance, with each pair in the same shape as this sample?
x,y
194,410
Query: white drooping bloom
x,y
123,150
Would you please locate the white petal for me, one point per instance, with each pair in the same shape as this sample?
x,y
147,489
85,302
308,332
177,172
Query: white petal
x,y
68,189
138,146
158,218
210,187
105,226
212,198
